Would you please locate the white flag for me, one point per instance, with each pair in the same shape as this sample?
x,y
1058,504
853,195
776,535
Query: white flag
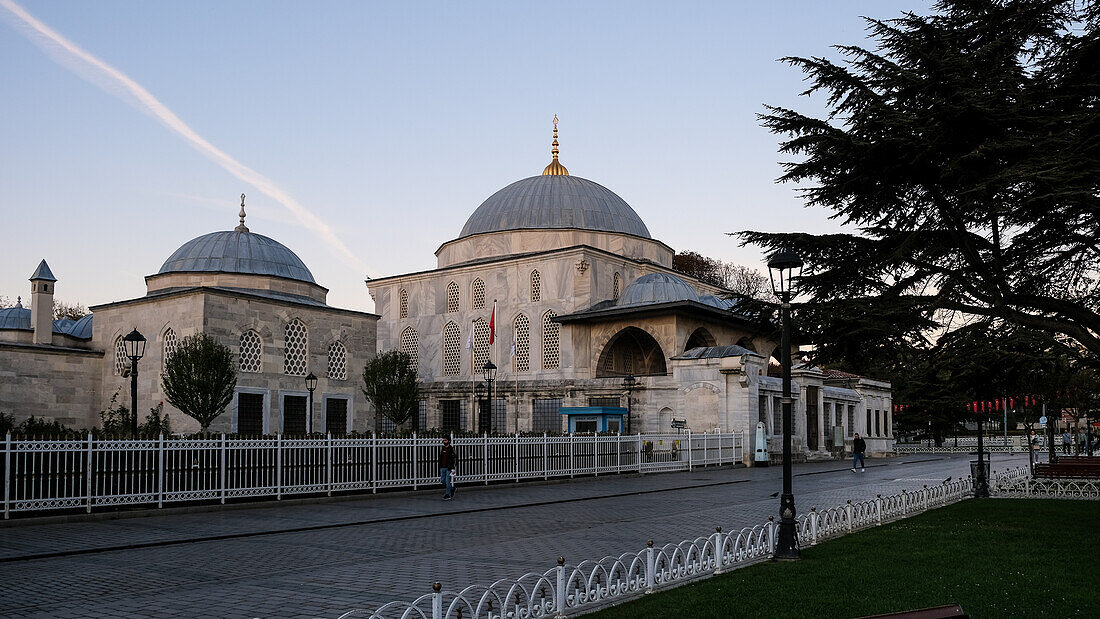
x,y
513,355
470,339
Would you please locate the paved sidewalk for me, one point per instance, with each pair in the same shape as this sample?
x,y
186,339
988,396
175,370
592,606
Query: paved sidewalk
x,y
319,560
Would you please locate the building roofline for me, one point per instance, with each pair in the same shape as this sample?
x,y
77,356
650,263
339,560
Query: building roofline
x,y
616,311
470,236
278,277
226,292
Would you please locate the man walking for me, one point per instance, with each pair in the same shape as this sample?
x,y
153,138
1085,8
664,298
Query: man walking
x,y
858,447
1066,440
447,469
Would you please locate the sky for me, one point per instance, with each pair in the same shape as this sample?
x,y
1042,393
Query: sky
x,y
366,133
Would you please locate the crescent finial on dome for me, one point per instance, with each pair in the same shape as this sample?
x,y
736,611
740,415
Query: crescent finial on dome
x,y
555,168
241,227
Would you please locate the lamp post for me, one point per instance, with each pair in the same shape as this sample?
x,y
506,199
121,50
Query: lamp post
x,y
134,343
490,372
784,267
981,484
628,383
311,384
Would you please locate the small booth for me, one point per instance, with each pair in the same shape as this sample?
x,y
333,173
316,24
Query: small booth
x,y
594,418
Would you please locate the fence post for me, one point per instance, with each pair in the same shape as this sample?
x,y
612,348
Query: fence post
x,y
545,456
638,450
561,588
437,601
771,535
278,467
925,497
571,467
813,526
718,550
689,449
160,470
848,514
329,441
223,467
878,509
416,463
374,461
650,565
88,472
517,456
7,477
485,442
618,452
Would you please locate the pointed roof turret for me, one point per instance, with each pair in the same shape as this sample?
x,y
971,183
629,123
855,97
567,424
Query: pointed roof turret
x,y
555,168
43,273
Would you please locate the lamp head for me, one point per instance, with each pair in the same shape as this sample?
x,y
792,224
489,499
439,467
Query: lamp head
x,y
311,382
784,267
134,343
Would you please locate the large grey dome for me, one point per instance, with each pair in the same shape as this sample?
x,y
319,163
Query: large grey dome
x,y
555,201
235,251
657,288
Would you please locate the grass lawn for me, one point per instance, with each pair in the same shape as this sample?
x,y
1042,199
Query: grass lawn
x,y
995,557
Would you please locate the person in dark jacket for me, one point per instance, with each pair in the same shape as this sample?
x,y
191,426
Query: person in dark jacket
x,y
858,447
447,469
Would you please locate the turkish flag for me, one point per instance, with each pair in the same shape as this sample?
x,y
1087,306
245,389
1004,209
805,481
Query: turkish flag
x,y
493,326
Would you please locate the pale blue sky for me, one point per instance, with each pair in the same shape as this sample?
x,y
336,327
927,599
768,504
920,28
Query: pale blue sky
x,y
391,122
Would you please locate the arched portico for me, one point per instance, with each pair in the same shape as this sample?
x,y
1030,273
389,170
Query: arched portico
x,y
700,338
631,351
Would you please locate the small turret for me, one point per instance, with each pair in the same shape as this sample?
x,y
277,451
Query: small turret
x,y
42,285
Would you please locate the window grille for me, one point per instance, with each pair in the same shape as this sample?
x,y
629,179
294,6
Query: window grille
x,y
777,416
452,297
536,286
404,303
605,401
452,363
851,420
546,417
337,361
410,345
388,427
451,414
121,361
296,355
762,412
550,354
522,361
422,414
838,412
481,345
250,354
867,428
477,294
615,286
170,344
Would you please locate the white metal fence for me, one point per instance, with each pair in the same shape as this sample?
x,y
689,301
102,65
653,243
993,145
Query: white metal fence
x,y
44,475
575,589
949,447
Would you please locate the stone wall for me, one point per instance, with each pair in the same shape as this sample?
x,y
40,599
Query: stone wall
x,y
51,382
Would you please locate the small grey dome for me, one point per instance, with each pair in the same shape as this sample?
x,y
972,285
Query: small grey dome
x,y
15,318
657,288
726,304
20,318
550,201
236,251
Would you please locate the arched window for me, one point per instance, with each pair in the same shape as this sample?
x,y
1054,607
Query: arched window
x,y
536,286
170,343
337,361
410,345
452,297
121,361
296,357
550,331
477,294
481,345
631,351
251,353
521,362
452,363
616,286
404,303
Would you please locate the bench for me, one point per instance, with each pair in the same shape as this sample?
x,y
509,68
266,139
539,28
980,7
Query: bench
x,y
950,610
1068,469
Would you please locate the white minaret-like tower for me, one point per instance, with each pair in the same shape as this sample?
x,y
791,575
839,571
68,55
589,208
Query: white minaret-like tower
x,y
42,284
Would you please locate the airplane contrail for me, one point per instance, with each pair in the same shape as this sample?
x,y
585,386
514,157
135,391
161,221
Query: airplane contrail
x,y
119,84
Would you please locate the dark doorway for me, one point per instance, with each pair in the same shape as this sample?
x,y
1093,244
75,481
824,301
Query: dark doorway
x,y
294,414
484,416
811,418
336,415
250,413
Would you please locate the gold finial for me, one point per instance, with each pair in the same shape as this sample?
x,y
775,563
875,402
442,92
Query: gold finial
x,y
241,227
555,168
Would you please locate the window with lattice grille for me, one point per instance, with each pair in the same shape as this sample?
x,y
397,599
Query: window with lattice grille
x,y
452,297
404,303
452,363
546,415
337,361
536,286
616,285
251,352
777,416
521,362
296,357
851,420
481,345
550,353
477,294
170,344
121,361
410,345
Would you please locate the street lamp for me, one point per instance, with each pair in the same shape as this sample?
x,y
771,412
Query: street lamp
x,y
490,373
981,483
784,267
311,384
134,344
628,383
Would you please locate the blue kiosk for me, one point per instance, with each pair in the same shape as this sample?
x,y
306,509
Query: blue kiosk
x,y
594,418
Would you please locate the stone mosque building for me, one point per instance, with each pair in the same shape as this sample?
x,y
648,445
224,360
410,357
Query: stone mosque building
x,y
579,293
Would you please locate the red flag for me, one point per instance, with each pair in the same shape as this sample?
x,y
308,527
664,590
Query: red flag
x,y
983,407
492,325
1012,402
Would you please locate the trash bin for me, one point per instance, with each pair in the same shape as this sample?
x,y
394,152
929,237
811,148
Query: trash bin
x,y
974,469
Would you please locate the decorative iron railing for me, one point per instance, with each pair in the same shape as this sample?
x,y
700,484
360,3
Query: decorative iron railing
x,y
42,475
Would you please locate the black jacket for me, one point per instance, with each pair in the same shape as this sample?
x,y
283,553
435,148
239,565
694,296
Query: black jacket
x,y
447,458
859,446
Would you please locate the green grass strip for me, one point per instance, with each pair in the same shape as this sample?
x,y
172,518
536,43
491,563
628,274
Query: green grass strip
x,y
995,557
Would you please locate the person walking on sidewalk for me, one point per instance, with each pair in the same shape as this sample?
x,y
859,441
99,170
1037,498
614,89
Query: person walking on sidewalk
x,y
447,469
858,447
1067,439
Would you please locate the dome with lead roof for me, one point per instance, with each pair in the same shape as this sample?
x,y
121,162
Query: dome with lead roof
x,y
657,288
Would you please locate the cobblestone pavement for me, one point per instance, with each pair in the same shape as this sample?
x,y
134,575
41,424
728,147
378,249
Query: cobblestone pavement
x,y
322,559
